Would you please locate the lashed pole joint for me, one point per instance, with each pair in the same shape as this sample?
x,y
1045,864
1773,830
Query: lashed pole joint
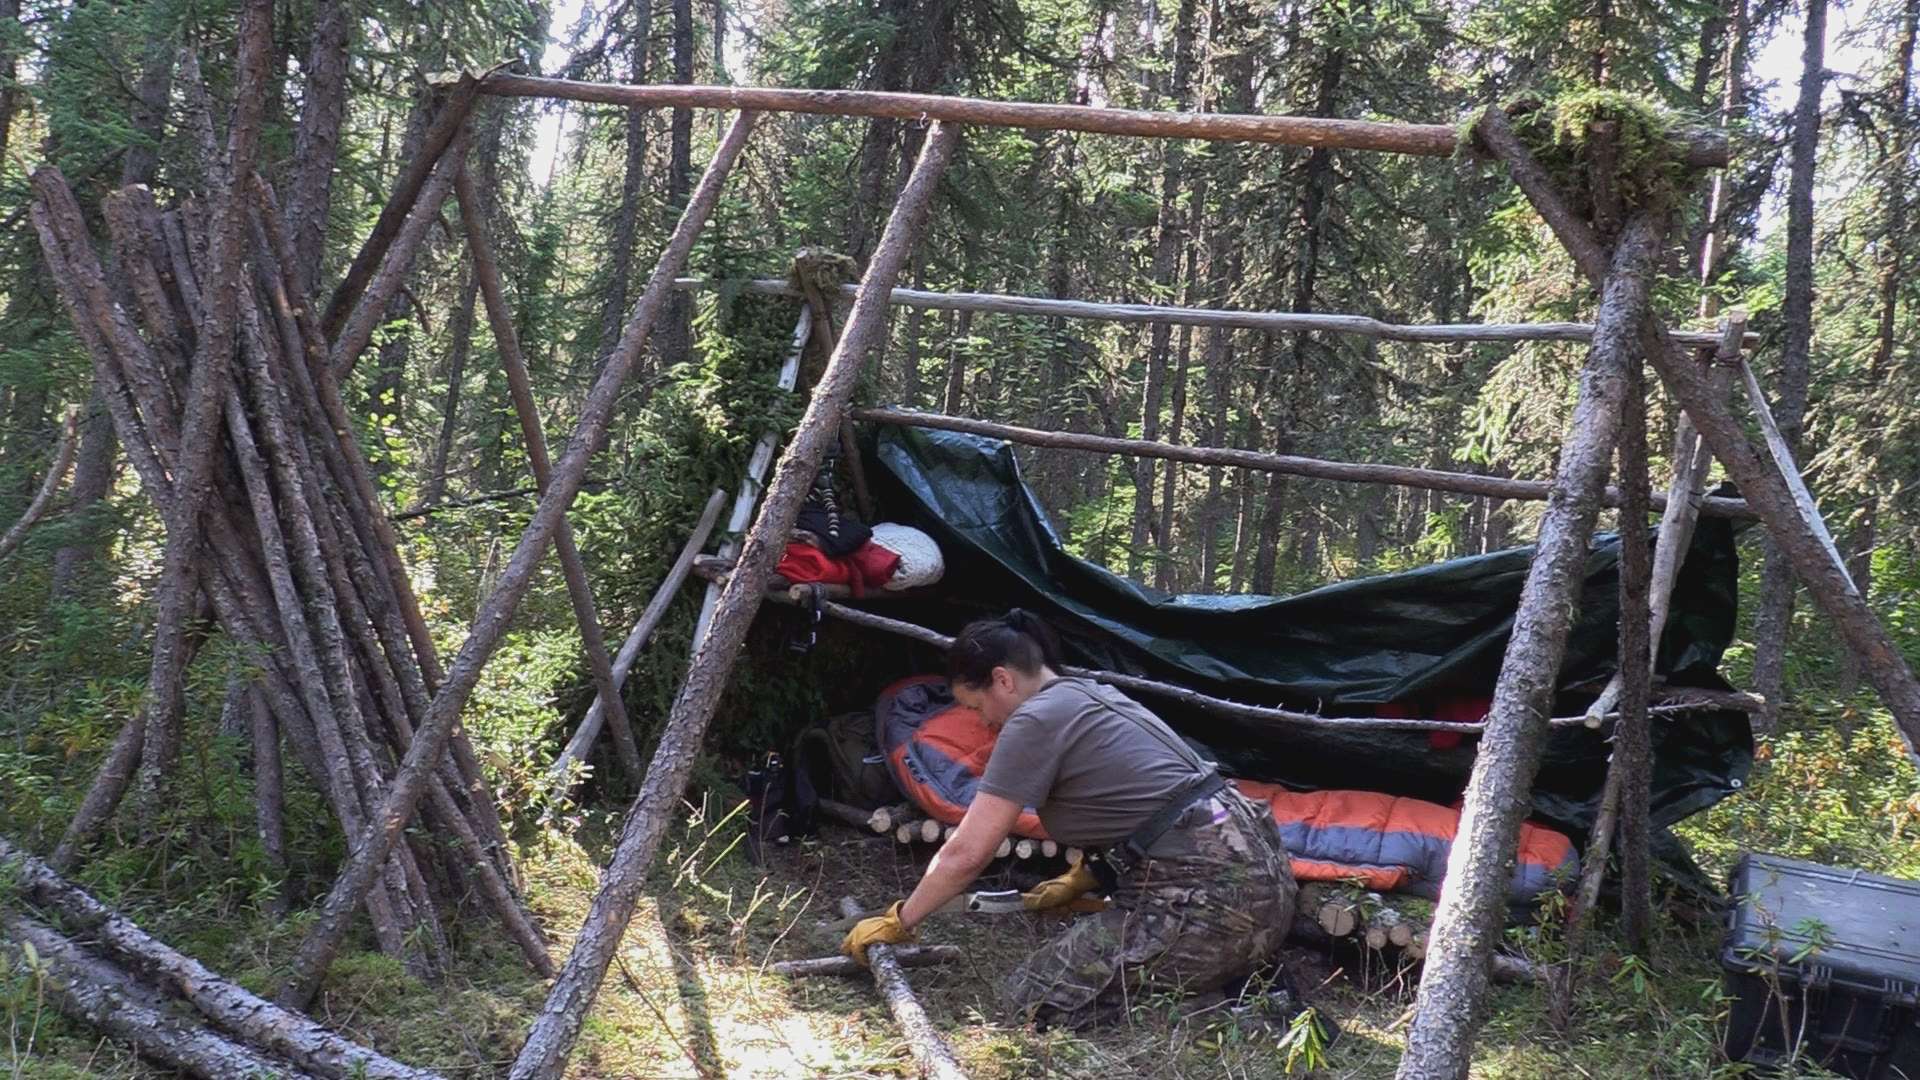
x,y
1767,492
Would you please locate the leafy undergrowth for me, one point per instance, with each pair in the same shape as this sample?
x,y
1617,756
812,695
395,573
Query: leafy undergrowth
x,y
691,994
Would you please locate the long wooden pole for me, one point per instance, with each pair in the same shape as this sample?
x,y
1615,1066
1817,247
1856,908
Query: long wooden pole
x,y
1766,490
520,388
554,1031
448,122
1272,321
1685,494
930,1051
358,324
1497,487
1699,147
1687,701
490,624
1469,920
561,771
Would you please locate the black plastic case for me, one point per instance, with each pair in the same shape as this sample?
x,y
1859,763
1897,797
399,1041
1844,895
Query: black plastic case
x,y
1826,961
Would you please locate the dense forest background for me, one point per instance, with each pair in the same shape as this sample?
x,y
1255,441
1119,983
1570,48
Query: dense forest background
x,y
1815,235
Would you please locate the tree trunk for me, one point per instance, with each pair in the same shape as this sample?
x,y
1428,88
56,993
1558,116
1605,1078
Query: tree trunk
x,y
10,33
1166,266
1897,169
1469,920
626,222
460,328
676,332
316,142
1164,573
1775,615
957,349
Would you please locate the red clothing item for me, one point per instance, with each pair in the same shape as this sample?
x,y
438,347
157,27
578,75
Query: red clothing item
x,y
869,567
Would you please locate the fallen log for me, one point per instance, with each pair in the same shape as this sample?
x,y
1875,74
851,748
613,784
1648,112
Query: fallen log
x,y
929,1050
288,1035
92,992
907,956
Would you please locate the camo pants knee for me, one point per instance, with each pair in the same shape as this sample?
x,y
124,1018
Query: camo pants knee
x,y
1211,905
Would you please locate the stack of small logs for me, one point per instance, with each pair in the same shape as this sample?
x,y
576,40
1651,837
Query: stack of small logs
x,y
290,548
908,825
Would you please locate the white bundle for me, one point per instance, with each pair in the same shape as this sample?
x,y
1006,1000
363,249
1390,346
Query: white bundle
x,y
920,561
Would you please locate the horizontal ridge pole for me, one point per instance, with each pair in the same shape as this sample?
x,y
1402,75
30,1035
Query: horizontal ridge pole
x,y
1684,700
1270,321
1699,147
1494,487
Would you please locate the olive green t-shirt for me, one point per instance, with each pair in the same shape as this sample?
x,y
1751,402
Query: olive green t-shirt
x,y
1094,763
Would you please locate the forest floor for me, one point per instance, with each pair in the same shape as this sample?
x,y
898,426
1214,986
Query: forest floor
x,y
691,994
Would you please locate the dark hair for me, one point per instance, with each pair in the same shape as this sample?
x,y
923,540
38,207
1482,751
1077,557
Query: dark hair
x,y
1019,640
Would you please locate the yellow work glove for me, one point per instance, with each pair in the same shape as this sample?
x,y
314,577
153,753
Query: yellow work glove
x,y
879,930
1060,891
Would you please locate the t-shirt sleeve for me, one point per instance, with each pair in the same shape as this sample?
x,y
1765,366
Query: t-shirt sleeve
x,y
1024,762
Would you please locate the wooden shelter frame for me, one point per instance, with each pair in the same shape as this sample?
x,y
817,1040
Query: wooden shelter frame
x,y
1624,329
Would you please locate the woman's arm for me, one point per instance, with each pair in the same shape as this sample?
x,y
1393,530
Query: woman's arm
x,y
967,852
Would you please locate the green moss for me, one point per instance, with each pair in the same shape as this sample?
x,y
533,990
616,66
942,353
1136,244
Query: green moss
x,y
1648,165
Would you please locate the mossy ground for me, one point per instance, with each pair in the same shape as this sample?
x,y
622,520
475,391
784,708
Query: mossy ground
x,y
691,994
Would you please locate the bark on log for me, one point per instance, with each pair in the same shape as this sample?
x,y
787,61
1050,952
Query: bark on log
x,y
199,424
448,122
1468,923
1496,487
43,499
558,1025
520,388
1685,493
929,1050
357,327
1632,741
1700,147
490,624
850,816
91,992
1766,491
1218,318
260,1023
907,956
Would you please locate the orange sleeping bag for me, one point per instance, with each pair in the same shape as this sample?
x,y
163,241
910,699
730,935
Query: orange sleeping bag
x,y
938,751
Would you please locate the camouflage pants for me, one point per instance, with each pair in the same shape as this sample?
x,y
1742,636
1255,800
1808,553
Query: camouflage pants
x,y
1211,905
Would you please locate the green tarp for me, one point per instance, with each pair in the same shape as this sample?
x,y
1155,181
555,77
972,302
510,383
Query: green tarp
x,y
1426,642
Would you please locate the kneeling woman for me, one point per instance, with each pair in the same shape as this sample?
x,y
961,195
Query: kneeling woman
x,y
1202,890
